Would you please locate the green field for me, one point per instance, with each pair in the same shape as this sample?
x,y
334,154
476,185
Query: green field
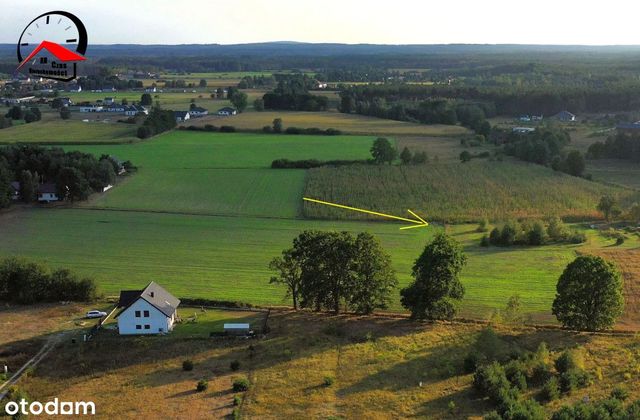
x,y
204,215
212,173
456,191
227,257
56,130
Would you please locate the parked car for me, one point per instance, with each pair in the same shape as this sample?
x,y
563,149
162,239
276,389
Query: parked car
x,y
96,314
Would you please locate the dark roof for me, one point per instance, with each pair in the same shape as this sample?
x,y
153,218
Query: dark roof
x,y
198,109
226,109
127,297
564,114
180,114
628,126
155,295
49,188
16,186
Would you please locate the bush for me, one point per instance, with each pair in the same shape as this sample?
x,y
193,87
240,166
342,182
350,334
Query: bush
x,y
540,373
267,129
471,362
144,132
515,373
202,385
550,390
209,127
187,365
328,381
485,241
237,400
227,129
573,379
567,361
619,393
491,381
235,365
241,385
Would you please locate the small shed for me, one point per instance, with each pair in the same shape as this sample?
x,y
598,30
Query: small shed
x,y
237,329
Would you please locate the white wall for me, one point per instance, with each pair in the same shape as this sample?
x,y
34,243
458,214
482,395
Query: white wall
x,y
157,321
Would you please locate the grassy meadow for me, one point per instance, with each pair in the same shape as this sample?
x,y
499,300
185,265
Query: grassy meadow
x,y
380,367
58,131
456,191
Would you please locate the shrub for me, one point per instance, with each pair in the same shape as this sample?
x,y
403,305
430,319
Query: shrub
x,y
483,226
573,379
619,393
187,365
267,129
235,414
491,381
471,362
235,365
514,371
209,127
620,240
550,390
202,385
328,381
241,385
540,373
227,129
566,362
485,241
237,400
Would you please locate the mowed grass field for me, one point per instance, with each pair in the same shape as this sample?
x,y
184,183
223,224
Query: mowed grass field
x,y
220,174
457,192
58,131
227,258
348,123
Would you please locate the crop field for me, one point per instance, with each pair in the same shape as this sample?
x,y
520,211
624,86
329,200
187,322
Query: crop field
x,y
617,172
58,131
348,123
457,192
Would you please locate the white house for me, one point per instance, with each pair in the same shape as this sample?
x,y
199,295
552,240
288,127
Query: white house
x,y
197,112
47,193
523,130
152,310
181,116
109,100
565,116
91,108
227,111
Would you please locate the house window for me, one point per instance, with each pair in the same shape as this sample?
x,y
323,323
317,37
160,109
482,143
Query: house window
x,y
137,314
146,314
138,327
147,327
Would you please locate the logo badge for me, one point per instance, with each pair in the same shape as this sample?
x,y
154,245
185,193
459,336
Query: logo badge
x,y
52,45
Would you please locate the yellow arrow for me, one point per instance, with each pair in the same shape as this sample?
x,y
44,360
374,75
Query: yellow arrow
x,y
417,223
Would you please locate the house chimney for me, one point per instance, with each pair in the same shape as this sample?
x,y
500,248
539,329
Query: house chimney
x,y
151,294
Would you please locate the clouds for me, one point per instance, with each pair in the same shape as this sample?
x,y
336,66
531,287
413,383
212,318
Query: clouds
x,y
348,21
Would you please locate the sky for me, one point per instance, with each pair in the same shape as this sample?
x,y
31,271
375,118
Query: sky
x,y
342,21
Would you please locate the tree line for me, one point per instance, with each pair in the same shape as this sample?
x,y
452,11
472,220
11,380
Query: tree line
x,y
292,93
75,174
545,146
621,146
27,282
158,121
336,270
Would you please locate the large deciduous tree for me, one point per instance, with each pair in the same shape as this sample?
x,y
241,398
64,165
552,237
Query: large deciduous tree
x,y
589,294
329,270
608,206
437,288
239,100
383,151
